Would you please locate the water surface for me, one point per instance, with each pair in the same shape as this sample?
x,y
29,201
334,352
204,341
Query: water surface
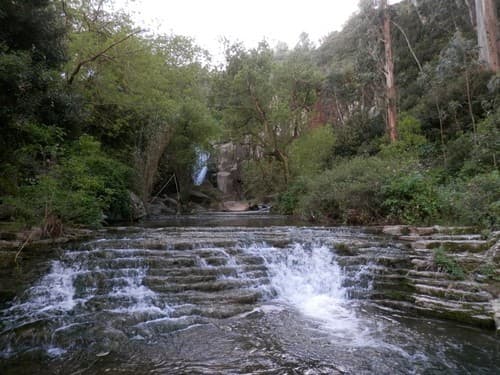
x,y
220,299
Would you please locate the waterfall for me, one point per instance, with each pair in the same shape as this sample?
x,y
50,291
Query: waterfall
x,y
200,169
307,277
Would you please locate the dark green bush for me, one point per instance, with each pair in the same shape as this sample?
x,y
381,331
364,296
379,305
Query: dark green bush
x,y
476,201
350,192
412,199
86,188
288,201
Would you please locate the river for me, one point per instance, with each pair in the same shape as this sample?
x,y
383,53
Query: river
x,y
224,294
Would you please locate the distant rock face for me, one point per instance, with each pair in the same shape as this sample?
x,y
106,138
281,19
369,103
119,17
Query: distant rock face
x,y
229,163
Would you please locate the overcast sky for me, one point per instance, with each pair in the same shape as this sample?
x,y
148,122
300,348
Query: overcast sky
x,y
247,21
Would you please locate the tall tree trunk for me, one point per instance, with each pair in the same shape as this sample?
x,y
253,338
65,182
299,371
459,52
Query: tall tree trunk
x,y
487,34
389,75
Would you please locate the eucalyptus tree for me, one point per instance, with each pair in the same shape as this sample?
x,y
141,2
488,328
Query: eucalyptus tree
x,y
487,34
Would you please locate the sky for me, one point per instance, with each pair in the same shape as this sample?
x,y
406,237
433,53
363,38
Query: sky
x,y
249,21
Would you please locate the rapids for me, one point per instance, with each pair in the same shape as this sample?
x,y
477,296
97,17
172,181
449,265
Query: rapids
x,y
225,299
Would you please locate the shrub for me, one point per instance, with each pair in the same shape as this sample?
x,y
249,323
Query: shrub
x,y
350,192
310,153
410,143
86,188
263,178
288,201
447,264
477,201
412,199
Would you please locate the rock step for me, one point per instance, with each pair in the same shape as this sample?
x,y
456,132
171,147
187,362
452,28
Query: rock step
x,y
439,304
442,237
468,286
229,297
495,305
159,285
416,274
453,246
450,294
468,316
196,271
217,312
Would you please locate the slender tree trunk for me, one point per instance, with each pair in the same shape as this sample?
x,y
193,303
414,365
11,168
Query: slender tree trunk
x,y
472,12
487,34
469,102
389,76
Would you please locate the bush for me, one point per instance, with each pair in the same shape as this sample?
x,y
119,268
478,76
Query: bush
x,y
446,263
412,199
86,188
310,153
288,202
476,201
263,178
410,143
350,192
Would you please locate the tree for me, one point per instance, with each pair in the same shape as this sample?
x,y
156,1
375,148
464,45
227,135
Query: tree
x,y
35,108
487,34
266,100
389,75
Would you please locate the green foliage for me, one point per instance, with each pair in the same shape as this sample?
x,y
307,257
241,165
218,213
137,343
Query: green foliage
x,y
410,141
350,192
445,263
311,153
86,188
476,201
262,178
288,201
412,199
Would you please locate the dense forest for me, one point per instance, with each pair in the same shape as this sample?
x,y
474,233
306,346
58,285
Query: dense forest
x,y
393,119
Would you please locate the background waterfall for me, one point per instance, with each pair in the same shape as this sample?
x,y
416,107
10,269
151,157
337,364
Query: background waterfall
x,y
201,167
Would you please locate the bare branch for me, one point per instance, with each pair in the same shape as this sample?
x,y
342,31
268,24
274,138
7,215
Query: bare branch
x,y
412,51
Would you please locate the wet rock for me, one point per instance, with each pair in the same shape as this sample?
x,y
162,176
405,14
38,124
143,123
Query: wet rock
x,y
158,208
496,311
395,230
137,208
434,289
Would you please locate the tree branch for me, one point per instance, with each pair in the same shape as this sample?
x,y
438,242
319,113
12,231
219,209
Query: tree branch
x,y
97,55
409,46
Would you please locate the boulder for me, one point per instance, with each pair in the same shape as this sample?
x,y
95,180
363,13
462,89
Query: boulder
x,y
137,208
235,206
158,208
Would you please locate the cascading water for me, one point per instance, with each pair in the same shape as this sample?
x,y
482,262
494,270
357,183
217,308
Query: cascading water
x,y
309,278
224,300
201,168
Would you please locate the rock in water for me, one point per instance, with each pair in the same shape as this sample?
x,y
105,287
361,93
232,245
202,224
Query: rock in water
x,y
236,206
